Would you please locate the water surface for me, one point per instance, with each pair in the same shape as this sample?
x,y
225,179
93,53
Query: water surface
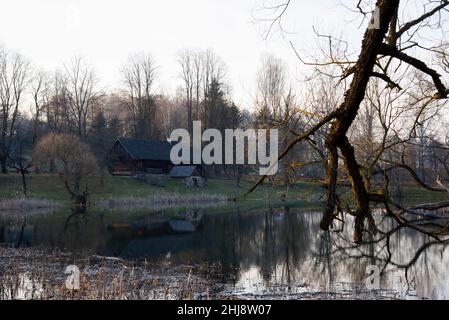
x,y
270,252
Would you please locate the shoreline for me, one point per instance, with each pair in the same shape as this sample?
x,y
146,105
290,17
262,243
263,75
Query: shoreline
x,y
32,273
38,273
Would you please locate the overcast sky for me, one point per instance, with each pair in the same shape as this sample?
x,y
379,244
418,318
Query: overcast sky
x,y
50,32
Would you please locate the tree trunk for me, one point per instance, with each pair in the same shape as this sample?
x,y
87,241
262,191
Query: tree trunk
x,y
337,137
24,182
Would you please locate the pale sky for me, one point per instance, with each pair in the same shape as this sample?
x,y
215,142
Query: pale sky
x,y
50,32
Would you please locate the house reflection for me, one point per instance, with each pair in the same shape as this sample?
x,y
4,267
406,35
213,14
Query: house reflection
x,y
257,250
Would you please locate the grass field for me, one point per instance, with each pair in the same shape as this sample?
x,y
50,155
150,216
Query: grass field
x,y
51,187
47,186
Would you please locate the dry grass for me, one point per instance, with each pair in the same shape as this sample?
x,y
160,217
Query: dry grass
x,y
166,201
26,204
39,274
27,273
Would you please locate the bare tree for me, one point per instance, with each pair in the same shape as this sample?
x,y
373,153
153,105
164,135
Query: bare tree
x,y
198,70
271,89
81,86
14,79
276,107
198,67
383,52
139,74
56,111
22,164
41,92
186,63
169,116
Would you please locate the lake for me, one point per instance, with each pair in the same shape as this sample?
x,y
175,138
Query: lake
x,y
266,252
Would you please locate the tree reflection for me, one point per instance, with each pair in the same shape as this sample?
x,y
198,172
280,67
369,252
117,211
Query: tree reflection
x,y
278,249
398,250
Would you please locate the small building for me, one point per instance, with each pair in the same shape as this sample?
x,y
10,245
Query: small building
x,y
132,156
191,175
185,172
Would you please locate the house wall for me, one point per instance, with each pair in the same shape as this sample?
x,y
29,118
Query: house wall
x,y
121,161
125,165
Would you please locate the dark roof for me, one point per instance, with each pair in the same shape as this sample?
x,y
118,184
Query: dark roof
x,y
181,226
182,171
141,149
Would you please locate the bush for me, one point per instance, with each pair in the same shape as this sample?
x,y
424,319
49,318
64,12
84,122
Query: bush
x,y
72,159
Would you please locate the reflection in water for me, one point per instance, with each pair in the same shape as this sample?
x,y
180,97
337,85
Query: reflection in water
x,y
26,287
276,251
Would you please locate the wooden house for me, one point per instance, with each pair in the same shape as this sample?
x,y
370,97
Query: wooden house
x,y
133,156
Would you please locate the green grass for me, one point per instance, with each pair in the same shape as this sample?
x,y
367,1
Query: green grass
x,y
416,195
48,186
